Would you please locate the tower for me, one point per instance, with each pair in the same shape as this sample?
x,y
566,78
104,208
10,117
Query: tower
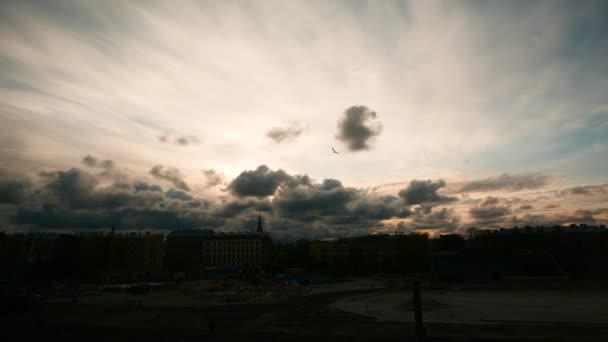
x,y
260,230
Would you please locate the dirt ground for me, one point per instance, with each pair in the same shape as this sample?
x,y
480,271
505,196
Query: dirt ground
x,y
321,312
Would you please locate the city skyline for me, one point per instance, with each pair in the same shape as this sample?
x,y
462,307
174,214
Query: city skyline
x,y
445,115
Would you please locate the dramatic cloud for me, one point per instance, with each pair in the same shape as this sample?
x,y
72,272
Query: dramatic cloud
x,y
280,134
357,128
526,207
142,186
420,191
442,219
13,191
261,182
178,195
170,174
489,210
509,182
213,177
237,207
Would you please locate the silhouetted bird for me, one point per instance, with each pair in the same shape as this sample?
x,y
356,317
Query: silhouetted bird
x,y
334,151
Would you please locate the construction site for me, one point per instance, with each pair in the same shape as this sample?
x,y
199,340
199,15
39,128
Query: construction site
x,y
366,309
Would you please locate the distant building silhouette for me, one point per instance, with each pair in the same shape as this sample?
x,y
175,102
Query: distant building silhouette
x,y
190,250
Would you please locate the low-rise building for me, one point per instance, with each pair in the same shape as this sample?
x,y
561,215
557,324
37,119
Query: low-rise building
x,y
188,250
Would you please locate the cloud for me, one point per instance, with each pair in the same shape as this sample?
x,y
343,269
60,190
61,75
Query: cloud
x,y
584,190
92,162
170,174
180,141
261,182
186,140
444,219
122,219
107,164
13,190
142,186
287,134
526,207
420,191
356,130
489,210
509,182
213,177
552,206
178,195
89,161
237,207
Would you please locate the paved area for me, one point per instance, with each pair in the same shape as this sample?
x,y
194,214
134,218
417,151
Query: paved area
x,y
486,307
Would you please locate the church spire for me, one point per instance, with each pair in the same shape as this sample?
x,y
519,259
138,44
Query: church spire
x,y
260,230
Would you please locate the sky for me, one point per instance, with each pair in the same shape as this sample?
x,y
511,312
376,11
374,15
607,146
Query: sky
x,y
175,115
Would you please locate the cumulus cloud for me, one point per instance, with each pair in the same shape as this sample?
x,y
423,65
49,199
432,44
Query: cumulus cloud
x,y
508,182
261,182
357,128
213,178
281,134
299,207
170,174
420,191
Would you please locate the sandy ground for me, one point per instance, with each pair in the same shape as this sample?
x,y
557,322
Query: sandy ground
x,y
484,307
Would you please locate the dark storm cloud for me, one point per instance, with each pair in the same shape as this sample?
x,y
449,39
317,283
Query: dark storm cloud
x,y
213,177
124,219
280,134
526,207
78,189
237,207
296,201
170,174
419,191
261,182
178,195
89,161
509,182
355,128
13,190
76,198
142,186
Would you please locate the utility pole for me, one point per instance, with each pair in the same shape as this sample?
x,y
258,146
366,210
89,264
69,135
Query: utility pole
x,y
420,332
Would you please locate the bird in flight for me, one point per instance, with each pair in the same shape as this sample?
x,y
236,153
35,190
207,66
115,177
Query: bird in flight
x,y
334,151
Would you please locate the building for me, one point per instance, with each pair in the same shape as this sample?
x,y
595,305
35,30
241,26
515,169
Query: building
x,y
130,256
191,250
